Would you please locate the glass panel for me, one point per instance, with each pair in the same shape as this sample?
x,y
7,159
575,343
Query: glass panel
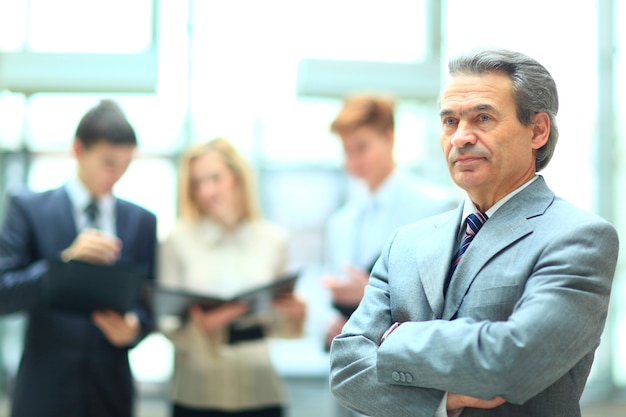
x,y
12,115
619,287
151,183
328,29
89,26
50,171
250,96
300,132
357,30
52,120
12,25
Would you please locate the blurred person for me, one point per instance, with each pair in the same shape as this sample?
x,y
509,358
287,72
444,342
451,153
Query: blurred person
x,y
76,365
356,232
497,307
222,361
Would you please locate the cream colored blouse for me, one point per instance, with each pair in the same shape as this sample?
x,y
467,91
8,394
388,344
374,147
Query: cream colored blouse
x,y
209,372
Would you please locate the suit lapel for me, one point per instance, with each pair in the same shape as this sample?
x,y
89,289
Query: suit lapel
x,y
505,227
64,217
433,263
122,226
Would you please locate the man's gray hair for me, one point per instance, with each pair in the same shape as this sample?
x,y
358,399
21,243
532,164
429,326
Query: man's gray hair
x,y
534,89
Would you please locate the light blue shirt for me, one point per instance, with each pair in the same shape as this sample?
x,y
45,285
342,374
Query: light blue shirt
x,y
357,232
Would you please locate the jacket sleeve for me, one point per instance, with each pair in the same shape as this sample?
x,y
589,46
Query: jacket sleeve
x,y
354,378
147,256
20,272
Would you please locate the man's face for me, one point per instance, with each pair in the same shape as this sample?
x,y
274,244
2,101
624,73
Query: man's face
x,y
102,164
488,151
368,153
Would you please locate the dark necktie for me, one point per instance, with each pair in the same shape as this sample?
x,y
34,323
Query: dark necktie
x,y
92,212
473,223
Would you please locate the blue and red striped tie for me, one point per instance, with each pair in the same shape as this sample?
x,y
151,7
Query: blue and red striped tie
x,y
473,223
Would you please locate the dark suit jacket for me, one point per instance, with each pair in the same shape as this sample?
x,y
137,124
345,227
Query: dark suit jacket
x,y
68,368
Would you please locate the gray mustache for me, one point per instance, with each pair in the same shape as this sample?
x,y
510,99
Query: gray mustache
x,y
472,150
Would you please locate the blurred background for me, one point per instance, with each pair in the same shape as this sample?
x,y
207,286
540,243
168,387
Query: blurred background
x,y
269,76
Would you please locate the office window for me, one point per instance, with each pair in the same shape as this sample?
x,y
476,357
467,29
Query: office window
x,y
618,335
76,26
52,119
12,110
244,68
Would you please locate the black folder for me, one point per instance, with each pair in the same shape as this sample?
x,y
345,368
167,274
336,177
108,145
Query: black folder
x,y
83,287
176,302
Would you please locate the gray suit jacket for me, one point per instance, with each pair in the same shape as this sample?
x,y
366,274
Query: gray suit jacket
x,y
522,317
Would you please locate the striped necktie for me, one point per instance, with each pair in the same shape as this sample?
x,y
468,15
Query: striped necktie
x,y
473,223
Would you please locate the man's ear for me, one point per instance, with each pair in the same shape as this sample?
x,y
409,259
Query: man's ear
x,y
390,135
541,130
77,147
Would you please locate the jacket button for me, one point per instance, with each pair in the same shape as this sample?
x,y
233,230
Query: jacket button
x,y
395,376
409,378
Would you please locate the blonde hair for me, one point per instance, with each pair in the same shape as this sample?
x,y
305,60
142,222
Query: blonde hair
x,y
374,111
188,207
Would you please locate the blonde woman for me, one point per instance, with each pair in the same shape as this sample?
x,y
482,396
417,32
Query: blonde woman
x,y
221,243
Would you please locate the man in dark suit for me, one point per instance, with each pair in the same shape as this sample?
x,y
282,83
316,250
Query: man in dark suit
x,y
76,365
494,309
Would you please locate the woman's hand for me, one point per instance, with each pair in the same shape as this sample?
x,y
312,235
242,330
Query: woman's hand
x,y
211,320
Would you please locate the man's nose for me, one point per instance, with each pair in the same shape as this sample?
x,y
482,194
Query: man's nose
x,y
464,135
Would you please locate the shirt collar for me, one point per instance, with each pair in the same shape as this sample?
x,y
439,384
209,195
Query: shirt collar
x,y
384,191
212,233
80,197
469,207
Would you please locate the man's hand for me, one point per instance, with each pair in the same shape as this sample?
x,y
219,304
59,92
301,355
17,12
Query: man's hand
x,y
347,291
334,329
458,401
209,321
119,330
93,246
291,306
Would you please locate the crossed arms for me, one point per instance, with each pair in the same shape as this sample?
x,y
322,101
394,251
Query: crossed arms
x,y
554,327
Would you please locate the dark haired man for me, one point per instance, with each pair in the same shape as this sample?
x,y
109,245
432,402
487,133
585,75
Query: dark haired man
x,y
76,365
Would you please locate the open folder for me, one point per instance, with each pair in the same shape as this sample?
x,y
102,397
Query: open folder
x,y
84,287
176,302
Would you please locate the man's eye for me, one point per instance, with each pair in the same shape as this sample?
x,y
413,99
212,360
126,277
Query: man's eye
x,y
484,118
449,121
